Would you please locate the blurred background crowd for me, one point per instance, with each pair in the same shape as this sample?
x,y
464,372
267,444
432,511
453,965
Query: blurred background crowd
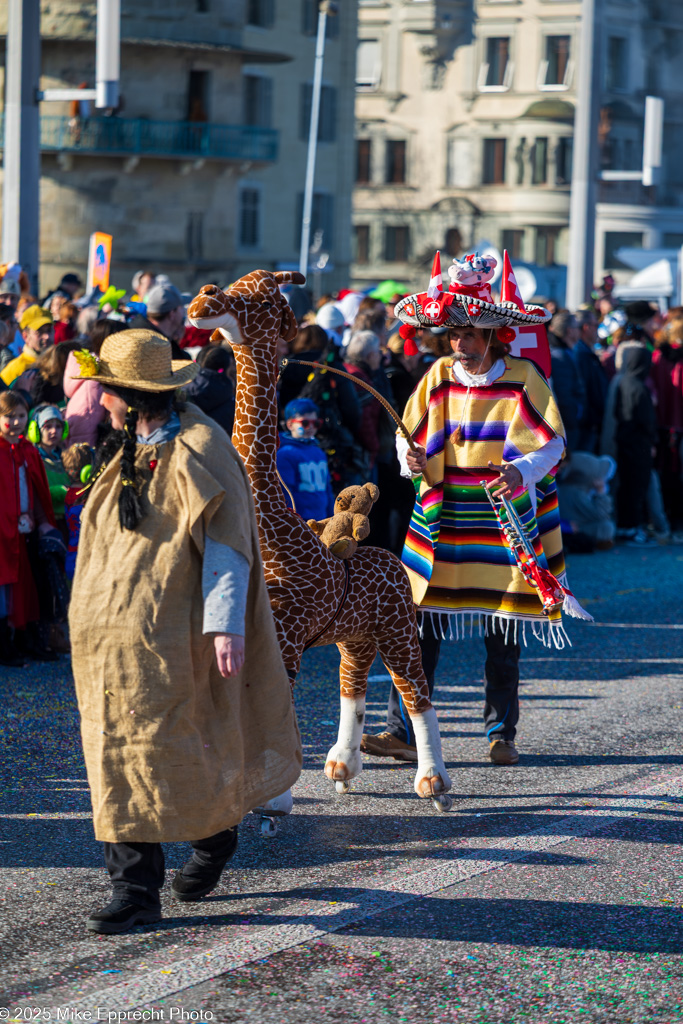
x,y
617,373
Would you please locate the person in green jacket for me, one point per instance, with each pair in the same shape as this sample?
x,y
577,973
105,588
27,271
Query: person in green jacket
x,y
48,430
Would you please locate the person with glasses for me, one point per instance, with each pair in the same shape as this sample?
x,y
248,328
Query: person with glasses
x,y
301,463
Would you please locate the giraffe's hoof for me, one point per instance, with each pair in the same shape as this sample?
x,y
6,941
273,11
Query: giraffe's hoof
x,y
442,803
430,786
342,787
337,771
268,828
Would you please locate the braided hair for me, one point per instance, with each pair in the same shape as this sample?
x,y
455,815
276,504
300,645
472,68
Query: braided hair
x,y
150,405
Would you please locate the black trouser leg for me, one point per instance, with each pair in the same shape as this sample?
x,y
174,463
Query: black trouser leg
x,y
212,854
136,871
501,708
398,719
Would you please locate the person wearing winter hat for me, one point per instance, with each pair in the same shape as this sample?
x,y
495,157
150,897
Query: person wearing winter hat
x,y
37,331
301,463
485,422
186,714
331,319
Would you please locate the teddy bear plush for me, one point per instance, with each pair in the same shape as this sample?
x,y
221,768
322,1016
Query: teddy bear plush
x,y
350,523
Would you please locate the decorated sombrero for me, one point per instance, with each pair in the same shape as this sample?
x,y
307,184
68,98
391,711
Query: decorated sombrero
x,y
468,301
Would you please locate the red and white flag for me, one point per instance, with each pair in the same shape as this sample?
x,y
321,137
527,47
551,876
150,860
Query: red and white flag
x,y
436,280
531,340
509,290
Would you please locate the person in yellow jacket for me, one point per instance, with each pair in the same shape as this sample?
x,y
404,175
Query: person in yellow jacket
x,y
37,330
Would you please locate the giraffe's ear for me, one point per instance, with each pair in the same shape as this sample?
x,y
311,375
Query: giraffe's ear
x,y
289,277
289,327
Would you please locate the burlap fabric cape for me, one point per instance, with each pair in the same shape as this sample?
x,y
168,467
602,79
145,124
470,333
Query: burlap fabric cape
x,y
174,751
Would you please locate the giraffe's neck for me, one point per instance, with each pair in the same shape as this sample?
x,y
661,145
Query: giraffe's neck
x,y
255,433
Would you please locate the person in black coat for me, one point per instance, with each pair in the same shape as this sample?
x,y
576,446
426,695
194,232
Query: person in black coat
x,y
594,380
565,379
212,388
635,434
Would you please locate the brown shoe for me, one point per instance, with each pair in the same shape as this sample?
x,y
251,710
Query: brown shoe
x,y
503,752
386,745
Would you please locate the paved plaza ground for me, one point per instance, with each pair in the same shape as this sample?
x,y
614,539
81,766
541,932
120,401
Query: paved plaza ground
x,y
551,893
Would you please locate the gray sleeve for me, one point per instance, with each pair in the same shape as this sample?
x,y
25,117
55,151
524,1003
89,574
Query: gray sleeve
x,y
225,581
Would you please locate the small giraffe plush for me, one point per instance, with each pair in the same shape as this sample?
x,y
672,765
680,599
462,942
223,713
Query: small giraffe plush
x,y
349,524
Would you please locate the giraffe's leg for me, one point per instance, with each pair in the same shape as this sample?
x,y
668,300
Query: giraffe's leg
x,y
400,652
343,760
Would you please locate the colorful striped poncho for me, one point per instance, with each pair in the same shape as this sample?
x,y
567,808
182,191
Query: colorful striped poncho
x,y
455,554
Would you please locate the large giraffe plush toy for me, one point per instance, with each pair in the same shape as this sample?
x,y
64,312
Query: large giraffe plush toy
x,y
363,605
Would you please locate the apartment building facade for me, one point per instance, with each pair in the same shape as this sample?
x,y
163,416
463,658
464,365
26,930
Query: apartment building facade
x,y
199,172
465,120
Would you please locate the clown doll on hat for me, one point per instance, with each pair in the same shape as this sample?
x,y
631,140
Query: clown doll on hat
x,y
484,420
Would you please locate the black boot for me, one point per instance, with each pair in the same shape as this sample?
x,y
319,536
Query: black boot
x,y
32,643
120,916
9,656
201,873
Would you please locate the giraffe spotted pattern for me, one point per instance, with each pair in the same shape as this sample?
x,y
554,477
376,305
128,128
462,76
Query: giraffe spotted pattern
x,y
305,581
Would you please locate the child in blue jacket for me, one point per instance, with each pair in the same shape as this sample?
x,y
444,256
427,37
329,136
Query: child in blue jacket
x,y
302,464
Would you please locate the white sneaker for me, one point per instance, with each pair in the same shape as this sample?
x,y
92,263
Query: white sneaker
x,y
641,539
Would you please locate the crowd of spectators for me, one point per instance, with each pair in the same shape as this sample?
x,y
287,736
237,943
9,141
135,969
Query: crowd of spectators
x,y
617,374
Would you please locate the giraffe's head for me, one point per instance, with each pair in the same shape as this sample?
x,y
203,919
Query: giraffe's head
x,y
250,311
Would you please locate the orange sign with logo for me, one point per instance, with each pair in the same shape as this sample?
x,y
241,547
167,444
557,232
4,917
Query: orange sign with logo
x,y
99,261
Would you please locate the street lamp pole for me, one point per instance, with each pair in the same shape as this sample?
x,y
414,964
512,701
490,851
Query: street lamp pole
x,y
326,8
21,164
585,163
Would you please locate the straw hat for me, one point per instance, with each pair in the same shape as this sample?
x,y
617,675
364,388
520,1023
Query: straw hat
x,y
137,359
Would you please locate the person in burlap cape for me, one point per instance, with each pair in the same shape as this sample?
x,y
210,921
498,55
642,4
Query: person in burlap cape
x,y
186,713
481,415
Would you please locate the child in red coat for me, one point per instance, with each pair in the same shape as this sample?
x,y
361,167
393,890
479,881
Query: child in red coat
x,y
25,511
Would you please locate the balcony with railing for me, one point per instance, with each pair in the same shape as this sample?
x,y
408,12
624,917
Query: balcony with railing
x,y
187,140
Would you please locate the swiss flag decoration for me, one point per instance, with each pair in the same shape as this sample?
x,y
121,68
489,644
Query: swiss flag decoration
x,y
509,291
531,340
436,279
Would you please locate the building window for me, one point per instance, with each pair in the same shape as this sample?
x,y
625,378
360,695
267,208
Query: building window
x,y
494,162
556,67
564,155
672,239
322,220
363,161
539,162
309,20
362,243
496,71
513,240
546,242
396,162
202,6
396,243
250,218
615,240
616,76
258,101
327,120
198,95
261,13
368,64
453,242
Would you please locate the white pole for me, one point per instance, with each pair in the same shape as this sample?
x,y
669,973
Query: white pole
x,y
585,164
653,137
312,140
21,188
108,55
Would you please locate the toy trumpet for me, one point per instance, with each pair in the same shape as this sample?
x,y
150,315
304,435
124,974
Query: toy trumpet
x,y
550,590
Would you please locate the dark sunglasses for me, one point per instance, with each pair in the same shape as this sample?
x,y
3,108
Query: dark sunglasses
x,y
305,422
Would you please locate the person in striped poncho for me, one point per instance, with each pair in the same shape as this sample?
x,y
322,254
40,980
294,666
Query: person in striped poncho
x,y
480,415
